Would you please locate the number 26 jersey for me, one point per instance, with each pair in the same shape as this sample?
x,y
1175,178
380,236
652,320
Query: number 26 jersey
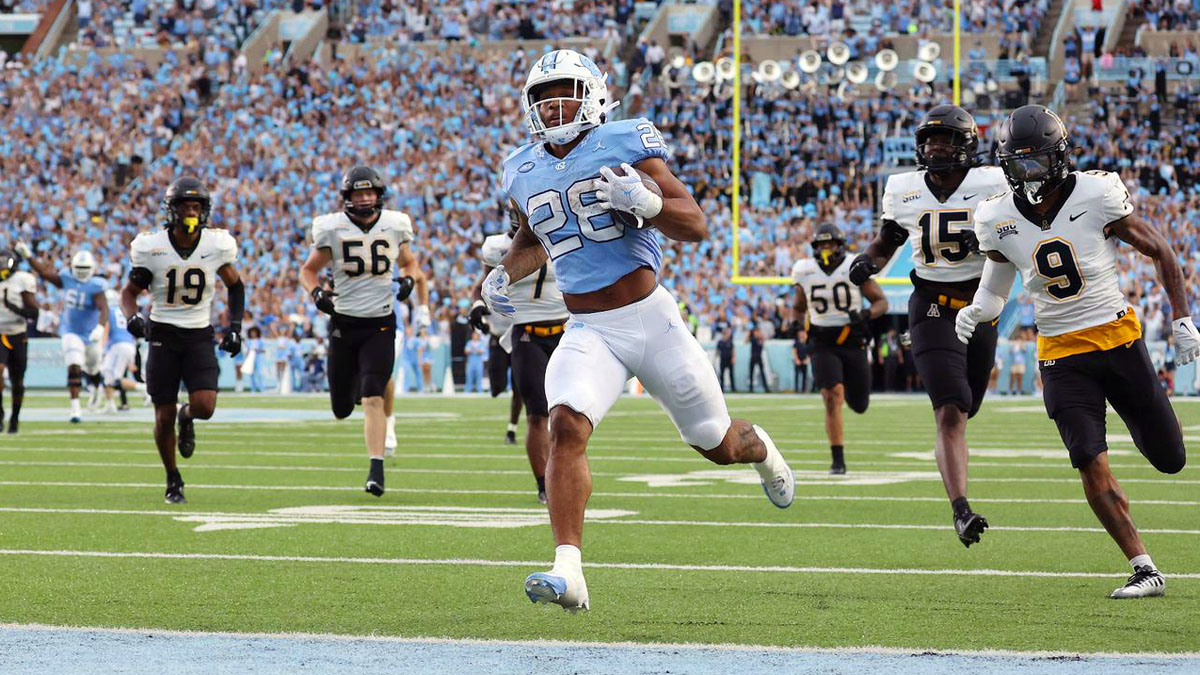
x,y
182,285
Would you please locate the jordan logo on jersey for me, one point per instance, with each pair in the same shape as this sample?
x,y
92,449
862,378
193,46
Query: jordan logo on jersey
x,y
933,311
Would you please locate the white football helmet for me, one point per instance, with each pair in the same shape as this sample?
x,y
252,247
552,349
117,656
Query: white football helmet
x,y
83,265
591,91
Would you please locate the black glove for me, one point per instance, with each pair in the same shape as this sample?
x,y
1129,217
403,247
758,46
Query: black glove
x,y
860,319
232,342
323,299
136,325
862,269
971,242
406,288
477,317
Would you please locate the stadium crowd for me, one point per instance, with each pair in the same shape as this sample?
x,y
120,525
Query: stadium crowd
x,y
905,17
488,20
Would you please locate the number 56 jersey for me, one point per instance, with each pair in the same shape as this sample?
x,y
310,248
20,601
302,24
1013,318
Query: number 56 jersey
x,y
588,249
363,260
182,283
1067,258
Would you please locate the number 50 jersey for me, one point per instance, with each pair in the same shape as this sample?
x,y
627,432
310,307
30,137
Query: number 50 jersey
x,y
830,295
182,286
588,249
362,260
935,227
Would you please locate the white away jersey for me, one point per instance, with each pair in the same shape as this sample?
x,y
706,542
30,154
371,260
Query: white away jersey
x,y
830,296
1067,261
182,288
536,297
16,284
363,260
934,227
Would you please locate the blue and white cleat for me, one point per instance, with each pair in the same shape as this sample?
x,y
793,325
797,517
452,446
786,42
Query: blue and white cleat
x,y
778,480
548,587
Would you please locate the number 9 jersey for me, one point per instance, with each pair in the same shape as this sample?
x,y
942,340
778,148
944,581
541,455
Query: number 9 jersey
x,y
362,260
1067,259
182,282
934,227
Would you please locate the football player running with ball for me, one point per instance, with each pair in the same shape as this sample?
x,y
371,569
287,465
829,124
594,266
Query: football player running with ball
x,y
594,228
935,207
179,265
362,242
1060,229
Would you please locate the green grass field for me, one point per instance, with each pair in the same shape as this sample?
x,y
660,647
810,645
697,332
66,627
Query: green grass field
x,y
676,550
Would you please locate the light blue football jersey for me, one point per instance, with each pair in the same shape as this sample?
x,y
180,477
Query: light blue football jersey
x,y
117,330
80,313
588,249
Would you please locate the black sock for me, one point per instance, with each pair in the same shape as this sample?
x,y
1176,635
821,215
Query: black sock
x,y
16,412
376,472
836,451
174,477
960,506
541,480
121,391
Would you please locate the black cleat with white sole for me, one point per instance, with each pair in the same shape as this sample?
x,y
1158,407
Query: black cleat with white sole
x,y
187,435
969,526
175,491
1146,582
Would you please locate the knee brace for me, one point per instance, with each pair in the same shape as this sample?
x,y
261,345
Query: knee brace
x,y
74,376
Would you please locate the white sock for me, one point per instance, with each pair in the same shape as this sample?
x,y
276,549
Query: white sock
x,y
1142,560
774,461
512,428
76,408
568,558
391,423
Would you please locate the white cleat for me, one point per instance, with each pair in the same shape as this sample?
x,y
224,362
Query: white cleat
x,y
568,591
780,486
1146,582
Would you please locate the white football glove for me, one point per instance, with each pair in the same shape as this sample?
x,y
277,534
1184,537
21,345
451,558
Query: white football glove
x,y
97,334
421,316
495,292
968,319
627,193
1187,340
22,249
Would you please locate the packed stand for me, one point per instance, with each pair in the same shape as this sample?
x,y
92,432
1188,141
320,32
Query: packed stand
x,y
903,17
1176,15
488,20
218,26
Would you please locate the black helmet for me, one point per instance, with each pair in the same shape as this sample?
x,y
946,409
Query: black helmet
x,y
828,232
362,177
8,264
186,189
965,138
1034,151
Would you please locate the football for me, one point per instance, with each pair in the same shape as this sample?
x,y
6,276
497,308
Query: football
x,y
628,219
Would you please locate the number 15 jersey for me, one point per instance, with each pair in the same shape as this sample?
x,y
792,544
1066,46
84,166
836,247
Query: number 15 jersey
x,y
362,260
935,227
182,286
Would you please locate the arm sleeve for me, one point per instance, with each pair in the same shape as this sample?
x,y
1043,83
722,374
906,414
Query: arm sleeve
x,y
643,140
887,203
237,303
985,232
994,287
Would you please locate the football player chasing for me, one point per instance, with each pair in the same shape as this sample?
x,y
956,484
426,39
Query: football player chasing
x,y
18,307
594,228
85,318
362,242
935,206
539,318
179,265
1060,228
838,331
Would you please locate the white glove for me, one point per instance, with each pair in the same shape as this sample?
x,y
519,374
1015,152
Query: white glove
x,y
495,292
421,316
97,334
1187,340
22,249
627,193
964,325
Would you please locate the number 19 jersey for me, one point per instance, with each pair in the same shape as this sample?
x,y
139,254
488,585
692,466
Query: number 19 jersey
x,y
182,286
934,227
363,260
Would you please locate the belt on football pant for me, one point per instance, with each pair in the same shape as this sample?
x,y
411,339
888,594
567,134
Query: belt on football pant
x,y
544,331
952,303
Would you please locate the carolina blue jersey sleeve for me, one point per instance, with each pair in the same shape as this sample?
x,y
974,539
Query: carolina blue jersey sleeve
x,y
588,248
80,313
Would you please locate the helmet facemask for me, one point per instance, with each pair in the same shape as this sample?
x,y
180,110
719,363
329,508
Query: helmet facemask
x,y
589,91
1036,175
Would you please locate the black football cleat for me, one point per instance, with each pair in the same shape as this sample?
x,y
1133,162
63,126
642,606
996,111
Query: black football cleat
x,y
510,437
969,526
542,497
187,435
13,425
374,487
837,469
175,492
